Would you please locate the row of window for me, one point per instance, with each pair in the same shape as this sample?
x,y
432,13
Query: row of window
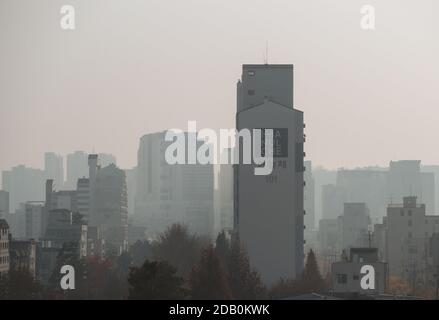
x,y
4,259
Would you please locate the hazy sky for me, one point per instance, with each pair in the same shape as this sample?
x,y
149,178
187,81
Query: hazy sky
x,y
134,67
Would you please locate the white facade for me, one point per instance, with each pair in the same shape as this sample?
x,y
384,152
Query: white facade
x,y
269,210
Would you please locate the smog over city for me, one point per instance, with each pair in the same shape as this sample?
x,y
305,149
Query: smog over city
x,y
202,153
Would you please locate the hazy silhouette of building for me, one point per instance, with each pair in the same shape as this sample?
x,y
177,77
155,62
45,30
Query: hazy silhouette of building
x,y
168,194
54,169
332,203
408,233
405,178
110,211
131,177
76,168
106,159
269,210
23,184
355,223
4,202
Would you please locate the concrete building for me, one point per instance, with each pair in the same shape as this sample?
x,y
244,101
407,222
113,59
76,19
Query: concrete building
x,y
169,194
408,233
106,159
269,210
406,179
54,169
309,198
332,203
65,226
76,168
131,177
4,203
110,211
83,197
35,220
23,255
23,184
346,274
4,248
355,223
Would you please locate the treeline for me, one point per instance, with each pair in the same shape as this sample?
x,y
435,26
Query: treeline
x,y
178,265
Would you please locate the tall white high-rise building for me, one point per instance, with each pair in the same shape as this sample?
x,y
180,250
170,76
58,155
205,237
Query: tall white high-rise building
x,y
168,194
269,210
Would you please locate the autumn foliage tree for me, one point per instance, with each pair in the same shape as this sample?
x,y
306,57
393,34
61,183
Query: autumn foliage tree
x,y
208,280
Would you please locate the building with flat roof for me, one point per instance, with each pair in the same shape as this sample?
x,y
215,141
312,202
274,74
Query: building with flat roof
x,y
269,210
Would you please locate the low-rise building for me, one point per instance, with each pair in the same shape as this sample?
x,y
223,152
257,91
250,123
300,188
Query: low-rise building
x,y
4,247
346,274
23,255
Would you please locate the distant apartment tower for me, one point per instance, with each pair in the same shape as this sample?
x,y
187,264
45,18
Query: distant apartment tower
x,y
169,194
54,169
332,203
406,179
35,220
76,168
106,159
23,184
269,210
408,233
110,211
131,176
355,223
4,202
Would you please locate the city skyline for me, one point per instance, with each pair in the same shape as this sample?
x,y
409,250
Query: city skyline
x,y
68,81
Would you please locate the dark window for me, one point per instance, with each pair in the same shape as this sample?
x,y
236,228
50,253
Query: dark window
x,y
251,92
342,278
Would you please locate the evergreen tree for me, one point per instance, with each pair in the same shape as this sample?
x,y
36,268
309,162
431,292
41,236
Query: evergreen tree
x,y
155,281
312,281
245,283
178,247
208,279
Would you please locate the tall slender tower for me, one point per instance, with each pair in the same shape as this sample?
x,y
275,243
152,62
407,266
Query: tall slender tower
x,y
269,210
